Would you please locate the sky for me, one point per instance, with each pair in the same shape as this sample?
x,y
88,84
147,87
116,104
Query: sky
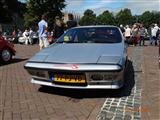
x,y
98,6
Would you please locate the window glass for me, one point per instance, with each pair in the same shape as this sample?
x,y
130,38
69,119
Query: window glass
x,y
92,35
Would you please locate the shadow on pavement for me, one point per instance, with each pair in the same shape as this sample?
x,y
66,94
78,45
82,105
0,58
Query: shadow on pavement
x,y
96,93
14,60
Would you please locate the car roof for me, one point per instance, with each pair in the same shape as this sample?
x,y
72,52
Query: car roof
x,y
95,26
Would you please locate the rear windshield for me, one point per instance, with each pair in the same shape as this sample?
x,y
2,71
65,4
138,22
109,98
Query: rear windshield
x,y
91,35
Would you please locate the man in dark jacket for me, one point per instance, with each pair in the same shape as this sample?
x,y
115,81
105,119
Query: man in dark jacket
x,y
71,23
58,27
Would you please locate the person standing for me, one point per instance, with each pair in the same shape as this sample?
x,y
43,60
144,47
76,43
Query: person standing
x,y
127,34
19,34
154,33
122,29
143,33
58,27
150,34
26,36
31,36
71,22
43,29
14,36
134,34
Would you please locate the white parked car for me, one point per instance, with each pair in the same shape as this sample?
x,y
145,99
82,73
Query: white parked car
x,y
85,57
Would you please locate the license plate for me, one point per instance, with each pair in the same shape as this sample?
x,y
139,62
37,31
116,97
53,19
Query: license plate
x,y
69,78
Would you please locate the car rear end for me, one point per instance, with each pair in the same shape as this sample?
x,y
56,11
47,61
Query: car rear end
x,y
7,50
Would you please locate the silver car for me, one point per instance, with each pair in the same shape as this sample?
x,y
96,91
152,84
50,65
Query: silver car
x,y
88,57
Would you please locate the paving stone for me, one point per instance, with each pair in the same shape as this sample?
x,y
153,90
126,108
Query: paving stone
x,y
119,115
113,109
120,107
108,102
136,117
136,113
127,117
116,100
134,100
118,118
109,115
114,104
119,111
122,103
106,108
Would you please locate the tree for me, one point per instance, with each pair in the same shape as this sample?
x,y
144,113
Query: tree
x,y
8,8
106,18
124,17
36,8
156,17
89,18
4,13
147,18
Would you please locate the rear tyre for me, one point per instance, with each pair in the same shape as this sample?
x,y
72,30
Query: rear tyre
x,y
6,55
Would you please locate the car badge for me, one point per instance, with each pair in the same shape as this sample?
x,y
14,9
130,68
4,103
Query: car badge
x,y
74,66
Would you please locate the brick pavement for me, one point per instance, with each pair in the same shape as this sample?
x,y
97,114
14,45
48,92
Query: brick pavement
x,y
151,84
144,100
21,100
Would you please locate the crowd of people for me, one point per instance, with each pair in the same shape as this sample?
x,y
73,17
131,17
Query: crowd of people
x,y
25,37
42,35
137,34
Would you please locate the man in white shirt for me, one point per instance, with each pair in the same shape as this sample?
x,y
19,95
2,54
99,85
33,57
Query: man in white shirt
x,y
43,26
154,33
127,34
31,36
26,36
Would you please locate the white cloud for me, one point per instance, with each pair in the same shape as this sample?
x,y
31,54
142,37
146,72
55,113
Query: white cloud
x,y
74,2
138,7
98,6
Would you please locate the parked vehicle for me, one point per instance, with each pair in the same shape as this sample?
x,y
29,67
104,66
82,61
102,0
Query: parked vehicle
x,y
8,37
88,57
6,50
22,40
33,39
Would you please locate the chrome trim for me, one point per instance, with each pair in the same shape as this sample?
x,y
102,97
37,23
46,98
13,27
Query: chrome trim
x,y
79,67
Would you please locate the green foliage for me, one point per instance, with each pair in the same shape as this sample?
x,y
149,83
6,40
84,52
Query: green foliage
x,y
36,8
8,8
156,17
106,18
89,18
124,17
148,18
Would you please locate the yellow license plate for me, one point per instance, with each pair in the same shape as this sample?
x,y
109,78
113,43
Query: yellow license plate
x,y
69,78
